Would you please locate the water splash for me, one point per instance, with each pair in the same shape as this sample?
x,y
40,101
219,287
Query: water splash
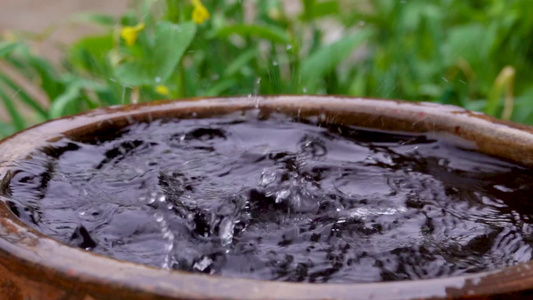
x,y
245,196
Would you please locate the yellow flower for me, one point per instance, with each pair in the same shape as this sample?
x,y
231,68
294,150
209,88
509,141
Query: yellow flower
x,y
200,14
129,33
163,90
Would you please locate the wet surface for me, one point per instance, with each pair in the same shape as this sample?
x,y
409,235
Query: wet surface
x,y
273,199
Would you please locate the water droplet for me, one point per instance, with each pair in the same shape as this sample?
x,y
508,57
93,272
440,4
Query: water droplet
x,y
168,235
226,231
275,63
282,195
169,247
289,47
267,177
256,91
162,198
158,217
503,188
443,162
157,79
203,264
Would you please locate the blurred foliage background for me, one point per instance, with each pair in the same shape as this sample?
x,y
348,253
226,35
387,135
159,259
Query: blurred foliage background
x,y
476,54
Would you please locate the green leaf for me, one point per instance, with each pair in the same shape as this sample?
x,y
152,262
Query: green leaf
x,y
218,88
171,41
240,62
90,54
7,47
16,117
60,104
326,8
95,18
50,82
5,130
22,95
274,34
470,42
326,59
308,8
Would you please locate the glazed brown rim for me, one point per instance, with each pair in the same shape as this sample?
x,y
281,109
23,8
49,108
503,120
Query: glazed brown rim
x,y
46,260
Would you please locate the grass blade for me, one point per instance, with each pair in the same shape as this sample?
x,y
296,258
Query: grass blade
x,y
7,47
60,104
327,58
5,130
16,117
22,95
274,34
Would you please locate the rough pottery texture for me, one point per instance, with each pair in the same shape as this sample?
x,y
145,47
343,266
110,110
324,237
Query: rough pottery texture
x,y
33,266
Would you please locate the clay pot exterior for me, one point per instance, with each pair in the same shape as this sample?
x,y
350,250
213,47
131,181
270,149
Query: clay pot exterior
x,y
33,266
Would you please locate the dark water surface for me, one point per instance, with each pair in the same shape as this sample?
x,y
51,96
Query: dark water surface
x,y
275,199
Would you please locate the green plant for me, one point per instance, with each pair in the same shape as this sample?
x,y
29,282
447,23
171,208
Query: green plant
x,y
476,54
